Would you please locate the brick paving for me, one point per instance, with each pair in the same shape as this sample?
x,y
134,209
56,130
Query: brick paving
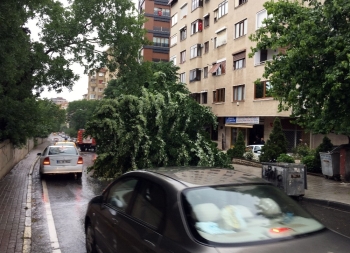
x,y
13,203
14,193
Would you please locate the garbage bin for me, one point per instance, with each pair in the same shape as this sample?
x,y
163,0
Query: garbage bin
x,y
289,177
330,163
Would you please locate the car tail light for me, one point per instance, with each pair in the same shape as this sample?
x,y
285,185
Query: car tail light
x,y
80,160
46,161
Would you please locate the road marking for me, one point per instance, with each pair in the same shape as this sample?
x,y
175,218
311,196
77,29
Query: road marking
x,y
50,222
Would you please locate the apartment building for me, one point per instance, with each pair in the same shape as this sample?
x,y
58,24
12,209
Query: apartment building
x,y
62,102
209,41
157,13
97,82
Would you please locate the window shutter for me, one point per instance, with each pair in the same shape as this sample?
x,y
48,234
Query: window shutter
x,y
245,26
239,55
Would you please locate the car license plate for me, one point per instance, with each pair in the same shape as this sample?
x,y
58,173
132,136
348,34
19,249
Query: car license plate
x,y
63,161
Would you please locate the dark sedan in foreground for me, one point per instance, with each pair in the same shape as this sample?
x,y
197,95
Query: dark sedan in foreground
x,y
202,210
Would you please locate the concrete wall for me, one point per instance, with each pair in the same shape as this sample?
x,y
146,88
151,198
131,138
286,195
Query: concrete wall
x,y
10,156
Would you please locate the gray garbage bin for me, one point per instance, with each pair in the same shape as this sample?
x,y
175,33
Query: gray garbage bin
x,y
289,177
330,163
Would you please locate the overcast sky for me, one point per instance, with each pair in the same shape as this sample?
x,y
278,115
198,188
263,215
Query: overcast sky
x,y
80,86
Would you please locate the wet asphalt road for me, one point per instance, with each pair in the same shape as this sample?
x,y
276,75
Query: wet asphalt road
x,y
68,199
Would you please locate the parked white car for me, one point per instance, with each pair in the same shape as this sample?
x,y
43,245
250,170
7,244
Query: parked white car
x,y
256,148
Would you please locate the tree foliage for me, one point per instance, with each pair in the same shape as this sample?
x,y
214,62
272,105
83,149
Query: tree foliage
x,y
69,34
79,113
275,145
310,75
158,125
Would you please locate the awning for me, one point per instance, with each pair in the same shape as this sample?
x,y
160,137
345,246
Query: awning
x,y
214,68
172,1
206,15
239,126
182,27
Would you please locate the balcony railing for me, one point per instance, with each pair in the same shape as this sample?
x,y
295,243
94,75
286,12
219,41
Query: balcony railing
x,y
157,44
161,29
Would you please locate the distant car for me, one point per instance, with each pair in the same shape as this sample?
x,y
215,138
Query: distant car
x,y
65,143
55,139
256,148
61,160
202,210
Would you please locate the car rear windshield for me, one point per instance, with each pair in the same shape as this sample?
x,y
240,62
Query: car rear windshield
x,y
227,215
63,150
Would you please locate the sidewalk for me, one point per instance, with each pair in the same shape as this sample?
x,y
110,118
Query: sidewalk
x,y
15,205
329,192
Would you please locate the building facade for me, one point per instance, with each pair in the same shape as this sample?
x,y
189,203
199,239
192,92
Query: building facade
x,y
97,83
209,41
61,102
157,13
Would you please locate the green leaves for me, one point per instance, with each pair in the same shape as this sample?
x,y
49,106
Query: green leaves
x,y
310,76
151,122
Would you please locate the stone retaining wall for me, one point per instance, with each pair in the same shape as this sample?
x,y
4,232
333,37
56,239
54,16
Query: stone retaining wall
x,y
246,162
10,156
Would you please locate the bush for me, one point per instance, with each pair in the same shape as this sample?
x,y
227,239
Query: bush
x,y
275,145
249,155
284,158
309,162
239,148
302,150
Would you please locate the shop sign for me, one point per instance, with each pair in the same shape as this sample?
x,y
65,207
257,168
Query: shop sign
x,y
242,120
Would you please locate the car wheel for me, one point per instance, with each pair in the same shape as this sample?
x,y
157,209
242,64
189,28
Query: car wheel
x,y
90,240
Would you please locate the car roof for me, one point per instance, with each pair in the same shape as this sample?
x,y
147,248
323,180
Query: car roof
x,y
70,143
205,176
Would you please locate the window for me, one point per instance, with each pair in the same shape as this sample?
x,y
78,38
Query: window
x,y
238,93
219,95
100,89
101,74
240,2
174,20
196,26
206,20
92,96
160,42
196,97
100,81
195,51
161,12
260,16
206,47
92,88
173,40
195,75
205,70
182,56
263,89
218,68
222,9
93,80
173,59
240,29
196,4
239,60
183,77
204,97
119,195
221,37
149,204
263,55
183,11
183,33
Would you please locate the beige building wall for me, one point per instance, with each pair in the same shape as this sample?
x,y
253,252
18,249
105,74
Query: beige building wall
x,y
265,108
97,83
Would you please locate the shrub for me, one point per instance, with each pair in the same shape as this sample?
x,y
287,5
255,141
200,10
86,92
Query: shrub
x,y
239,148
309,162
275,145
302,150
325,146
284,158
249,155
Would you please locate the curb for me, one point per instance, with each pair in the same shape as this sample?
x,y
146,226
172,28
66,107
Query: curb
x,y
328,203
27,237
